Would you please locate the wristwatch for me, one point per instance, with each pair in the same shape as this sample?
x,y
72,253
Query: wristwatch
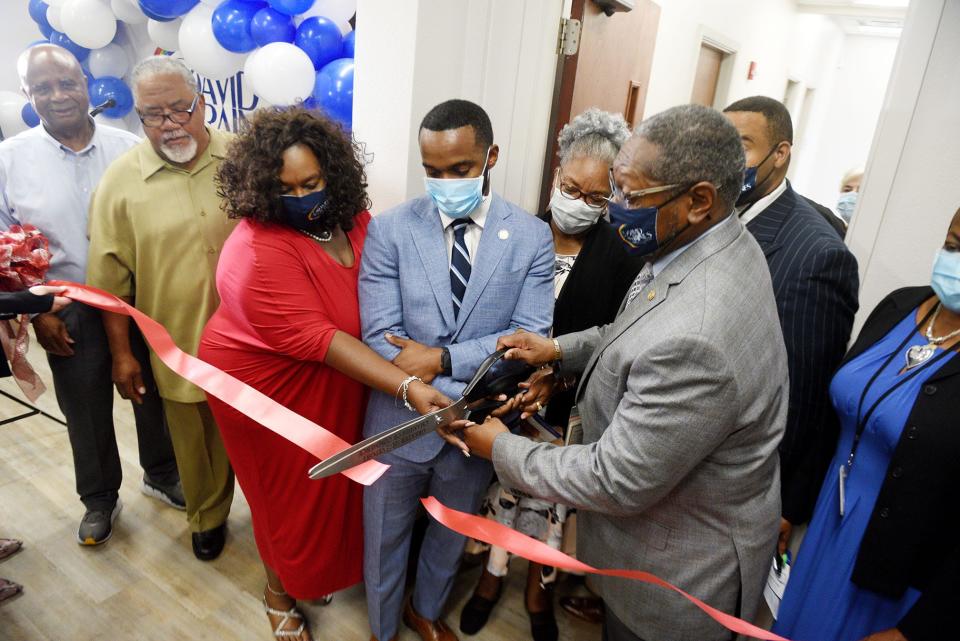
x,y
446,367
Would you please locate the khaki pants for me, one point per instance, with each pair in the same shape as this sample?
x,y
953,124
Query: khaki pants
x,y
205,471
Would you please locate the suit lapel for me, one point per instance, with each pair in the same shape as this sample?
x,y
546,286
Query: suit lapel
x,y
490,251
767,225
658,289
428,239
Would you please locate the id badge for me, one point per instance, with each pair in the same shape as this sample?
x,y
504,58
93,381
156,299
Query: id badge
x,y
842,478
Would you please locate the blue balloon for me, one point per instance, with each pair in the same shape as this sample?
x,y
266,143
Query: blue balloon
x,y
38,12
64,41
272,26
321,39
231,24
350,44
333,91
166,10
29,115
291,7
107,87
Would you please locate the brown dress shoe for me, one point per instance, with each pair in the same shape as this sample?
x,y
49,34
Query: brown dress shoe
x,y
428,630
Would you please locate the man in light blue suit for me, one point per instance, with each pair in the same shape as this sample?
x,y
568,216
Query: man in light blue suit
x,y
442,276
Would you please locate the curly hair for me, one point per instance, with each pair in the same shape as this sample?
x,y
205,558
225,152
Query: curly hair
x,y
248,180
594,133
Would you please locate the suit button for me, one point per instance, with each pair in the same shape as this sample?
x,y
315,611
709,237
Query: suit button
x,y
912,433
884,513
929,390
897,472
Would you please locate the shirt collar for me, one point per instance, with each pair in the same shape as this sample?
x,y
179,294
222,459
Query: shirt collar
x,y
662,262
752,211
94,140
151,162
478,216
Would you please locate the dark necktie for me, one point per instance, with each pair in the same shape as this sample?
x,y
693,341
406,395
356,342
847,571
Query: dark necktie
x,y
459,264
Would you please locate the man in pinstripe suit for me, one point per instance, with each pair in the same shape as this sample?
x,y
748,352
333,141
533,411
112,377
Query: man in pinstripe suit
x,y
815,283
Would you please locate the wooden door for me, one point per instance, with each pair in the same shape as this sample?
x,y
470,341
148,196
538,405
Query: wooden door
x,y
611,71
707,76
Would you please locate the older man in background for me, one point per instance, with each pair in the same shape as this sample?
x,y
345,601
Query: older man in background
x,y
156,230
47,175
682,402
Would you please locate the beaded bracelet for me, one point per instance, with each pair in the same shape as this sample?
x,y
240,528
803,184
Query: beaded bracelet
x,y
404,387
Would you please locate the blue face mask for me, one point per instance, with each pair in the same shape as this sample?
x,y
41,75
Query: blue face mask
x,y
750,181
457,197
303,212
846,204
637,228
946,279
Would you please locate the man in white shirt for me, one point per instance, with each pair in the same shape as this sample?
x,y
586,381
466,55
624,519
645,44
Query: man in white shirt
x,y
47,175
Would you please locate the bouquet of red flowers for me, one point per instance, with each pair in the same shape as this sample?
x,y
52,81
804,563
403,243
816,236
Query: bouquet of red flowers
x,y
24,261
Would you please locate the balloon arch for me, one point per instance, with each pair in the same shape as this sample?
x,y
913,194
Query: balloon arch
x,y
281,52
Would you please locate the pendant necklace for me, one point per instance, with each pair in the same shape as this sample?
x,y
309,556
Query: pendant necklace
x,y
322,237
920,354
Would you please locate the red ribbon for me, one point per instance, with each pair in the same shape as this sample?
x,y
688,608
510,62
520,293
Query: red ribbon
x,y
322,444
246,400
483,529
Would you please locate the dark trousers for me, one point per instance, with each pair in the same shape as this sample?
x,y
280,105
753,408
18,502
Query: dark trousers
x,y
616,630
84,389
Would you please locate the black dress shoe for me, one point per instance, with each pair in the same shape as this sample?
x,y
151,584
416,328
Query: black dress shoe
x,y
476,612
543,626
208,544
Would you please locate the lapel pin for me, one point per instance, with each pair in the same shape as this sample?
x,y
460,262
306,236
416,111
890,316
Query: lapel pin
x,y
503,234
652,294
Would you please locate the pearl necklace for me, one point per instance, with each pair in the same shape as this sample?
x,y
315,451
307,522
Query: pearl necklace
x,y
919,354
324,237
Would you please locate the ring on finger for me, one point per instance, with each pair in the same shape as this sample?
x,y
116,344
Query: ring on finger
x,y
539,406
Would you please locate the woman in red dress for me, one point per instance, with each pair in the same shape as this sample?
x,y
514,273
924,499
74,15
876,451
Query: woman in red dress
x,y
289,326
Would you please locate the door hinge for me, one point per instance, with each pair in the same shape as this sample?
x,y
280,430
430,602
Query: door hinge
x,y
568,40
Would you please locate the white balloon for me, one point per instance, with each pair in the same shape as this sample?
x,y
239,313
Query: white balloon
x,y
211,3
53,17
11,118
111,60
281,73
200,49
56,3
89,23
128,11
337,11
166,35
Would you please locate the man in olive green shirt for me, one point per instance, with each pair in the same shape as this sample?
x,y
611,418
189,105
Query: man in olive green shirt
x,y
156,230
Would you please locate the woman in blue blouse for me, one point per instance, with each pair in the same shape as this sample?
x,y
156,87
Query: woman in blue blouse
x,y
879,561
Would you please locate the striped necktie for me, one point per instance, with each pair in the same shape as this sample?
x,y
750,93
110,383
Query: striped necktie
x,y
642,280
459,264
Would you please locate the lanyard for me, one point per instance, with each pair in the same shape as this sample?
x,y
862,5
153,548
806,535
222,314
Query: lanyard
x,y
862,419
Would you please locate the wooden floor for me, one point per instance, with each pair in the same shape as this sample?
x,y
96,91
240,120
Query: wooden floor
x,y
145,583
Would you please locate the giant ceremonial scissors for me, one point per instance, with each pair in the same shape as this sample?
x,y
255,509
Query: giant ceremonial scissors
x,y
473,405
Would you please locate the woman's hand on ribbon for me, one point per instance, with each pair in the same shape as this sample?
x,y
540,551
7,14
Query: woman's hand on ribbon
x,y
59,302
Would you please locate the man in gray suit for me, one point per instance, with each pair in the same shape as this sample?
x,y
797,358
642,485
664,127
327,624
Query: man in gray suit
x,y
683,397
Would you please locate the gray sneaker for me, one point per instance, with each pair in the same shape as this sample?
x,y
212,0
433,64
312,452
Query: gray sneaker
x,y
172,495
96,526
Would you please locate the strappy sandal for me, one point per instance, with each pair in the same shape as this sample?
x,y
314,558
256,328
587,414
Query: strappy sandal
x,y
286,616
9,547
9,589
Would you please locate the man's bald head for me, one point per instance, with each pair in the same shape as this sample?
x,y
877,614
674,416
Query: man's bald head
x,y
51,77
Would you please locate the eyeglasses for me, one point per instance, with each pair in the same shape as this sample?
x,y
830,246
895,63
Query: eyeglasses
x,y
593,199
632,199
177,117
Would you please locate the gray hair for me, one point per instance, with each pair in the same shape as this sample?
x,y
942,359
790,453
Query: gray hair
x,y
696,144
594,134
160,66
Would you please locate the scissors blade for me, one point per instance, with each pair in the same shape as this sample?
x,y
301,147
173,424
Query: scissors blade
x,y
388,440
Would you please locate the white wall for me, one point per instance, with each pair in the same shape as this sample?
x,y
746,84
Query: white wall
x,y
17,30
911,191
842,131
412,55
